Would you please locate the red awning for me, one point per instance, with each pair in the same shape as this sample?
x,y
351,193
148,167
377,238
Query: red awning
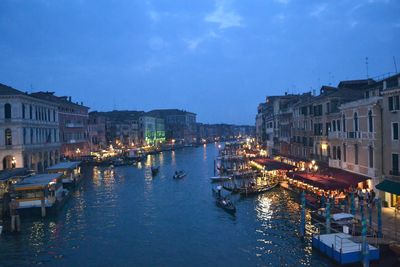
x,y
271,164
352,179
318,180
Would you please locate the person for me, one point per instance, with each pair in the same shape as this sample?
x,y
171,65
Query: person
x,y
373,195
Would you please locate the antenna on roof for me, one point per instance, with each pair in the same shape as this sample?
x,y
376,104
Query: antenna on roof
x,y
366,65
31,88
395,65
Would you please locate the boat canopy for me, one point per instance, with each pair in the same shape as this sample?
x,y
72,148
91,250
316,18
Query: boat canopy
x,y
67,165
342,216
37,181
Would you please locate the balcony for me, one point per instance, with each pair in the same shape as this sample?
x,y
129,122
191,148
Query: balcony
x,y
353,135
335,163
336,135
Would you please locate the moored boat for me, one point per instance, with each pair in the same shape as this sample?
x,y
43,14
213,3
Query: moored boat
x,y
215,179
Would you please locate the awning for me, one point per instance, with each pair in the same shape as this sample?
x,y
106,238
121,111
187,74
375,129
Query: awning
x,y
271,164
343,176
317,180
389,186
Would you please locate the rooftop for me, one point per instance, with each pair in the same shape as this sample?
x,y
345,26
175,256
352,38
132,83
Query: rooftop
x,y
7,90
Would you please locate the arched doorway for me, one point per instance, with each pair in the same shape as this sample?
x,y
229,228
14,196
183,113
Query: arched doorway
x,y
9,162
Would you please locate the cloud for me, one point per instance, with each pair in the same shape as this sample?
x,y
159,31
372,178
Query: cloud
x,y
318,10
279,18
223,16
193,43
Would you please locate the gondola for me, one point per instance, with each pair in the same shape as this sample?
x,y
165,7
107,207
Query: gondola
x,y
226,204
254,190
179,175
155,170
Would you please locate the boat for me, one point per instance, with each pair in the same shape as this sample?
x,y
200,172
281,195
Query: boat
x,y
226,204
395,247
71,172
155,170
215,179
253,190
179,175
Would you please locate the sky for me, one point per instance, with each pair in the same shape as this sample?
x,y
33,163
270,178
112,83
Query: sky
x,y
217,58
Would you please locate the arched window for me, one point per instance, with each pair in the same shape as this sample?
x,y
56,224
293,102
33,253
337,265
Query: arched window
x,y
30,112
344,153
355,122
370,122
344,123
7,111
334,152
8,137
339,156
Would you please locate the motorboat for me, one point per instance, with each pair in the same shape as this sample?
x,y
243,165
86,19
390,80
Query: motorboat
x,y
215,179
179,175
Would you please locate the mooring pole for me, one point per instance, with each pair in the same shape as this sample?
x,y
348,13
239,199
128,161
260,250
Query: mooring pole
x,y
379,209
328,216
365,248
303,214
352,204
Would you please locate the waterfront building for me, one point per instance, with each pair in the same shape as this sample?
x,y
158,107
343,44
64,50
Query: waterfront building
x,y
152,130
97,131
260,123
73,121
391,141
180,125
29,131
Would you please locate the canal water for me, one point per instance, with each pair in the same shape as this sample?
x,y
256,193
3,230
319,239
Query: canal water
x,y
124,217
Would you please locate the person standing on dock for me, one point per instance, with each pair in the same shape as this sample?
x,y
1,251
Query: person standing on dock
x,y
15,220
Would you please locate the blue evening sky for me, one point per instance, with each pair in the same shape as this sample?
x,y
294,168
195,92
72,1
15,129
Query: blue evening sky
x,y
218,58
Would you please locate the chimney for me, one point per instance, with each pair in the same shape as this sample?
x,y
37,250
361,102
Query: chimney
x,y
69,99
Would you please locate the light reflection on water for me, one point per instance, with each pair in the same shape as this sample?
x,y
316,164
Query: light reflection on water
x,y
156,221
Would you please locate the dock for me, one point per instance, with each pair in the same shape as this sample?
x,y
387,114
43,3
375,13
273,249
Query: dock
x,y
341,248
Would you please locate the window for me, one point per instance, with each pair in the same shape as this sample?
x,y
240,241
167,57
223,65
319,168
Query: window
x,y
30,112
334,152
334,126
395,164
371,156
356,154
344,153
23,111
355,122
395,131
8,137
24,136
338,125
7,111
394,102
339,156
31,136
344,123
370,122
54,115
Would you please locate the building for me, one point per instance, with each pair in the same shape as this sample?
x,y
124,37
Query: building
x,y
391,141
97,131
180,125
73,121
152,130
29,131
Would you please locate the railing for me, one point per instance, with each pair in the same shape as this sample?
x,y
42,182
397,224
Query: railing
x,y
74,125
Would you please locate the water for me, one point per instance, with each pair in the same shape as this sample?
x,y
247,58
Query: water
x,y
124,217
